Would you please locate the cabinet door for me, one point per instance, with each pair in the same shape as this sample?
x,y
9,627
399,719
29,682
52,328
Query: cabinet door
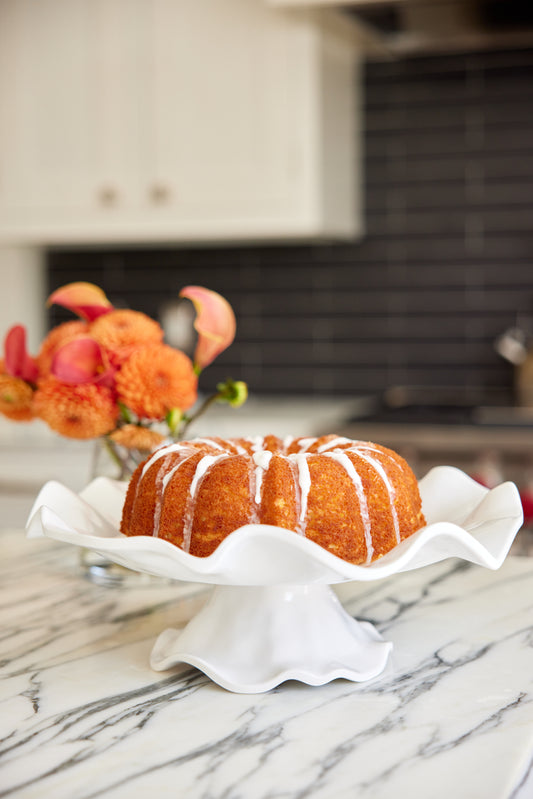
x,y
122,82
49,109
229,109
71,103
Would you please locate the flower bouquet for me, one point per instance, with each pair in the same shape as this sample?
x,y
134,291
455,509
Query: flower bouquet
x,y
109,376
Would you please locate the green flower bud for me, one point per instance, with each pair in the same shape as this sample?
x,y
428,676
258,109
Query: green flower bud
x,y
173,419
234,392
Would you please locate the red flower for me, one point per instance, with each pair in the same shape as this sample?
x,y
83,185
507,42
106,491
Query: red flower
x,y
17,361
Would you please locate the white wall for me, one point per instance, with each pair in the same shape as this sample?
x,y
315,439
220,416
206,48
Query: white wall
x,y
23,293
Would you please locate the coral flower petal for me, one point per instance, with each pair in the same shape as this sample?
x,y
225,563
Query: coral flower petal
x,y
80,361
215,323
17,361
84,299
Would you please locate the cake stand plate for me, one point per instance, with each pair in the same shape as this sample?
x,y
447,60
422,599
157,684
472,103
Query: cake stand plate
x,y
273,634
272,615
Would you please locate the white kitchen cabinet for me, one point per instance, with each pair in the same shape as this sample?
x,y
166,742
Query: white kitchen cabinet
x,y
167,121
72,97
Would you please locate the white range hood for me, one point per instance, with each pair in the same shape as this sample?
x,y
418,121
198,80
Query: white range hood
x,y
399,28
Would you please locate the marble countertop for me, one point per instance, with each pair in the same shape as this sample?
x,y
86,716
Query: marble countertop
x,y
83,715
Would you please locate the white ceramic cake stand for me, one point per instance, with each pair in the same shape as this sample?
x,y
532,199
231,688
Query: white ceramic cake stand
x,y
272,615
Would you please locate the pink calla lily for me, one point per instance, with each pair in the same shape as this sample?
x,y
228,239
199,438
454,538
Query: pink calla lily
x,y
215,324
82,361
17,361
84,299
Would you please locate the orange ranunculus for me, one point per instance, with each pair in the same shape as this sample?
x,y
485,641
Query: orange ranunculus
x,y
16,399
56,338
132,436
121,332
156,379
215,324
76,411
84,299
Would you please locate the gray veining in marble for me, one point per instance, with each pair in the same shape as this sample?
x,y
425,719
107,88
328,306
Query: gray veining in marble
x,y
82,714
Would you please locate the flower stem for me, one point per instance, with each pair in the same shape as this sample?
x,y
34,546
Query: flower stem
x,y
188,420
115,457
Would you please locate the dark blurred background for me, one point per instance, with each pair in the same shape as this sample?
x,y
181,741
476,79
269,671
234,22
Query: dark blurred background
x,y
445,266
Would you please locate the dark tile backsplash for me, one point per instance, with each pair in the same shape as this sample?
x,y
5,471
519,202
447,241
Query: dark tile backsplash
x,y
445,266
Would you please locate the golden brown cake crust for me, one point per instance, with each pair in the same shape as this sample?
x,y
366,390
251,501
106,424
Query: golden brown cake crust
x,y
356,499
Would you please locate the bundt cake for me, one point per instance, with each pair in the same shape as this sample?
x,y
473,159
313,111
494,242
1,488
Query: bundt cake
x,y
354,498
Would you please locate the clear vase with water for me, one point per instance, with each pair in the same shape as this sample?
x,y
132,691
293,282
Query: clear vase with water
x,y
113,462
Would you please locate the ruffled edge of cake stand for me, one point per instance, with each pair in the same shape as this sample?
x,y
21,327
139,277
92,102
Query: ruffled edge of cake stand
x,y
465,520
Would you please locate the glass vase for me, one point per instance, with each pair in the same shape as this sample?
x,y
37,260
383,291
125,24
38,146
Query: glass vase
x,y
118,464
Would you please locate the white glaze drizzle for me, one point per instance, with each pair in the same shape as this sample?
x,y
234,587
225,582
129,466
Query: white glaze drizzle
x,y
159,491
336,442
160,453
254,488
209,442
376,465
368,447
305,443
161,482
287,441
262,462
350,469
257,442
257,447
303,478
201,468
360,447
168,477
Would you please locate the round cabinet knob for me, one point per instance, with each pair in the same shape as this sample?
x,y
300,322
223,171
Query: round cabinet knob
x,y
108,196
159,193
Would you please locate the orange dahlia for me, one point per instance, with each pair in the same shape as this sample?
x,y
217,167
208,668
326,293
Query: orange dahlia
x,y
156,379
76,411
55,339
121,332
16,399
131,436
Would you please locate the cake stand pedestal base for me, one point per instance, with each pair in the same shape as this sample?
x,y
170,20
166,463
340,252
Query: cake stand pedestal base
x,y
248,639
